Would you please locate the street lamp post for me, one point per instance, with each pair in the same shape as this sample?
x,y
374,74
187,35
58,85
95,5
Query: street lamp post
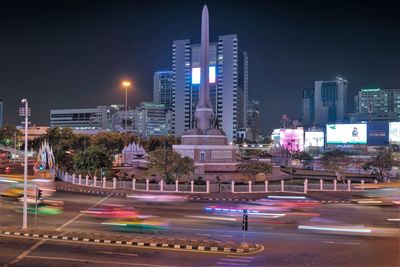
x,y
25,111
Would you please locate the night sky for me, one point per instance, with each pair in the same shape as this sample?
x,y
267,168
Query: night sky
x,y
73,54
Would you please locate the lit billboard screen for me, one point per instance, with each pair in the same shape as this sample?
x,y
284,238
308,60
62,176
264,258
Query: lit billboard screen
x,y
292,139
346,134
378,133
196,75
313,139
394,133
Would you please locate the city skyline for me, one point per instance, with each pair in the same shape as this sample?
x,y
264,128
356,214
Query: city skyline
x,y
92,48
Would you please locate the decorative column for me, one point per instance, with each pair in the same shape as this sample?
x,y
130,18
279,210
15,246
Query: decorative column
x,y
334,185
266,185
250,182
233,186
147,184
321,184
134,184
362,184
306,185
114,183
191,186
87,180
348,185
162,185
94,181
79,179
282,186
104,182
176,186
73,178
208,186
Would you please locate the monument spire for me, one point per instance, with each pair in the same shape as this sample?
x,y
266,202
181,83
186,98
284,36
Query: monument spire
x,y
204,112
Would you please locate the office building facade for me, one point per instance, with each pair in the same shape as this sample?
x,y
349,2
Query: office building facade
x,y
152,119
377,105
308,106
162,88
330,101
228,81
254,120
81,119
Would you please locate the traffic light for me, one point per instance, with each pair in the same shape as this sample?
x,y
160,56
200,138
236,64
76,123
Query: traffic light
x,y
245,221
39,194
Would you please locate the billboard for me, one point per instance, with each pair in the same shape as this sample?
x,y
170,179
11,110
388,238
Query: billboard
x,y
377,133
292,139
394,133
314,139
341,134
196,75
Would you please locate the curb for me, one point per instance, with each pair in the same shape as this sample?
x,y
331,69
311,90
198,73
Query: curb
x,y
215,249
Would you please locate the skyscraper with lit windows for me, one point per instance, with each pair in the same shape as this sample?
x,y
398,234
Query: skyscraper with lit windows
x,y
228,79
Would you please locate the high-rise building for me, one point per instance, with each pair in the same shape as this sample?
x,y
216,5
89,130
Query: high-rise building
x,y
162,88
377,105
228,84
330,101
1,113
253,119
152,119
308,106
81,119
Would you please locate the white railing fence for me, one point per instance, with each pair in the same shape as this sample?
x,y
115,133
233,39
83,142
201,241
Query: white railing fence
x,y
207,187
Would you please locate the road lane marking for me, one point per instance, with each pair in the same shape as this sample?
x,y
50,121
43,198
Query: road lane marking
x,y
344,243
393,219
216,235
26,252
231,264
35,246
110,263
237,260
117,253
81,214
240,257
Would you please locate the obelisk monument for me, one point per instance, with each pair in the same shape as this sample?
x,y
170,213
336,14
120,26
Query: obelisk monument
x,y
205,143
204,112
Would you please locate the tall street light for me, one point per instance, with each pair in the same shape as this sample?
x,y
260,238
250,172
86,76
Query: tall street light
x,y
25,112
126,84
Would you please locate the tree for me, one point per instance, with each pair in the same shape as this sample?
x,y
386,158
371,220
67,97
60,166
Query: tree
x,y
252,168
9,135
381,163
110,141
335,160
169,164
91,160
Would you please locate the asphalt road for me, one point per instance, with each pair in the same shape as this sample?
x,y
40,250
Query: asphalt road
x,y
285,244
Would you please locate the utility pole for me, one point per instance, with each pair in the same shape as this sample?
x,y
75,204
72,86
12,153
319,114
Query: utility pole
x,y
25,112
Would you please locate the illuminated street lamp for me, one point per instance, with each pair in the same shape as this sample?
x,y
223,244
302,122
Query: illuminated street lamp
x,y
126,84
25,112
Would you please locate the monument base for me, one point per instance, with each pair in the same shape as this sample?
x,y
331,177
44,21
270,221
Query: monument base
x,y
210,153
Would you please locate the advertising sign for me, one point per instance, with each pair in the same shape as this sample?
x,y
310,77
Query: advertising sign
x,y
394,133
378,133
314,139
292,139
346,134
196,75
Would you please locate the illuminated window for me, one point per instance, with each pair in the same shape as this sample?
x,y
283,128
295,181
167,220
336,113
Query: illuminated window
x,y
196,75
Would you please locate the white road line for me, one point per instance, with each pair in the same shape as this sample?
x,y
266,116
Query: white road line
x,y
216,235
236,260
81,214
344,243
35,246
26,252
116,253
110,263
231,264
240,257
